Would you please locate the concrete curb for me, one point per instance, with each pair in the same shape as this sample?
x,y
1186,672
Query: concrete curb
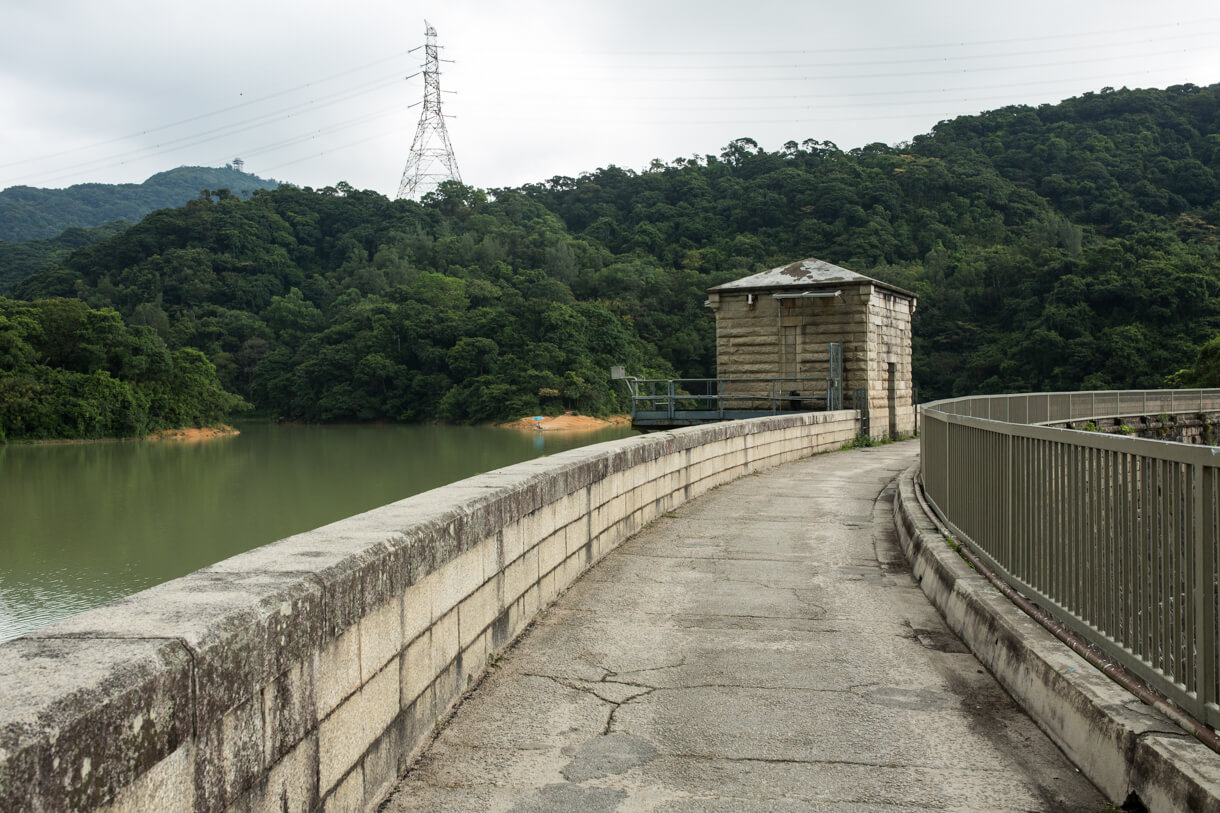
x,y
1124,747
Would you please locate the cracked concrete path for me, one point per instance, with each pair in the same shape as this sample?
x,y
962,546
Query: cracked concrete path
x,y
763,648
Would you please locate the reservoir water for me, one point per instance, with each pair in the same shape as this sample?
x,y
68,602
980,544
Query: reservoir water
x,y
84,524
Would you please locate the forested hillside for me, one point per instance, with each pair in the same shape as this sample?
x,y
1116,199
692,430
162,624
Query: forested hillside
x,y
1059,247
67,371
343,305
1065,246
19,260
33,213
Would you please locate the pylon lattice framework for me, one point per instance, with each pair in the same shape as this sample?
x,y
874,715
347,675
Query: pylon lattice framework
x,y
431,160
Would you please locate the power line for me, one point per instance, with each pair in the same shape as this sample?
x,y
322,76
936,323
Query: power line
x,y
680,75
841,76
202,116
346,146
195,139
1076,80
1209,36
904,47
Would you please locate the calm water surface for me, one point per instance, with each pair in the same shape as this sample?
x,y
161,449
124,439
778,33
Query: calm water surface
x,y
84,524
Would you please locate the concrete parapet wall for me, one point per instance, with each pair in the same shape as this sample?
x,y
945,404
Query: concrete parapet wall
x,y
1124,747
306,674
1198,428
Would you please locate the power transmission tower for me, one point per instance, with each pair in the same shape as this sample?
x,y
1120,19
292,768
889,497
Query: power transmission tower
x,y
431,160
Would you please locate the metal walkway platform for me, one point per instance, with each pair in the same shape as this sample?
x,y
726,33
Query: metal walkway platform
x,y
666,403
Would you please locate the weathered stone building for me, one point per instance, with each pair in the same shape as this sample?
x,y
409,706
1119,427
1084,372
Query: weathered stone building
x,y
781,324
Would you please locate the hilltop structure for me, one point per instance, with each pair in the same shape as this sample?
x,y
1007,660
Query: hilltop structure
x,y
791,322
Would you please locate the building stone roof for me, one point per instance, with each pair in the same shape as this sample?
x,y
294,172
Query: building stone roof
x,y
810,273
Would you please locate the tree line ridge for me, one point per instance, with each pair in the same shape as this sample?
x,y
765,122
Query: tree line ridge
x,y
1055,247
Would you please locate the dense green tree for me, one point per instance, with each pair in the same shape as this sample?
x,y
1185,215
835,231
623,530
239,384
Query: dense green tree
x,y
69,371
1057,247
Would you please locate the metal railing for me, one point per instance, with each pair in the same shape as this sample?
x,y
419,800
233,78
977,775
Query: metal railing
x,y
1117,537
721,398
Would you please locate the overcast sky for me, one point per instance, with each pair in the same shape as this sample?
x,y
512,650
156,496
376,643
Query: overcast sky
x,y
314,93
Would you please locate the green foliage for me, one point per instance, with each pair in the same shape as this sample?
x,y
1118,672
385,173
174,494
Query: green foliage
x,y
1061,247
867,442
343,306
29,213
1205,372
19,260
68,371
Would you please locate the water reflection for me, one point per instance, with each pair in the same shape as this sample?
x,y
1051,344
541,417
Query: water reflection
x,y
84,524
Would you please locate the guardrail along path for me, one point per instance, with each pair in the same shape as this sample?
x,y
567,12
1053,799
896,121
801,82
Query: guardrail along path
x,y
763,648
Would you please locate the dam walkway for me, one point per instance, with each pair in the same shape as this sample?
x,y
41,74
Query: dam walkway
x,y
764,647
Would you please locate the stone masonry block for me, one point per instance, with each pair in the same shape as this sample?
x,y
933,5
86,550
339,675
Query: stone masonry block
x,y
381,700
456,580
445,641
575,535
168,786
290,711
346,734
532,569
570,509
597,494
417,669
82,718
550,519
291,785
618,507
229,757
417,609
349,796
415,725
337,671
476,613
474,660
515,579
447,689
597,520
551,552
380,637
572,567
548,588
529,603
514,544
492,551
380,765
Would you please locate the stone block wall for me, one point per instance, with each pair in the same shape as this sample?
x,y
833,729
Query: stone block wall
x,y
749,337
306,674
873,323
889,342
1201,428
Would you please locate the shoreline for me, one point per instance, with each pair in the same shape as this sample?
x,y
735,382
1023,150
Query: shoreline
x,y
567,422
183,435
193,434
